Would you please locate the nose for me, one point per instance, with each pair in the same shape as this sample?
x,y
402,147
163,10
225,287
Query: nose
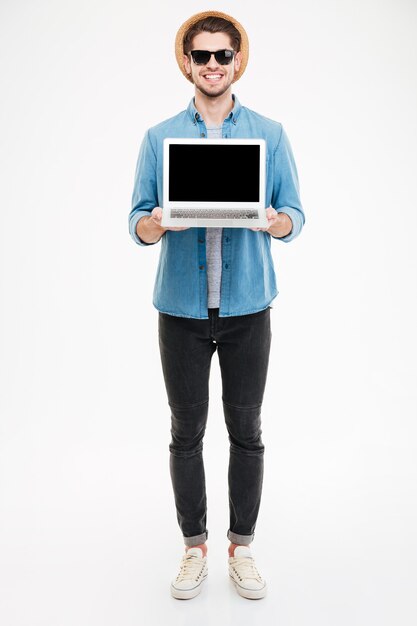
x,y
212,63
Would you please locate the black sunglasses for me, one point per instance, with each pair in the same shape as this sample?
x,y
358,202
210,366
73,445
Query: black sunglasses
x,y
202,57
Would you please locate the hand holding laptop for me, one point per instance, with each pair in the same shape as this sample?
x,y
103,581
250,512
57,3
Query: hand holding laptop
x,y
272,218
278,224
156,216
150,230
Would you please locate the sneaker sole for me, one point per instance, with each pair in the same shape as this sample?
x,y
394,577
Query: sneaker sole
x,y
187,594
250,594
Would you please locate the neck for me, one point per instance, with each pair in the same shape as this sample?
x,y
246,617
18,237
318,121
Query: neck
x,y
214,110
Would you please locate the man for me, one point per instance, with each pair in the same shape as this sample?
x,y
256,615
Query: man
x,y
213,292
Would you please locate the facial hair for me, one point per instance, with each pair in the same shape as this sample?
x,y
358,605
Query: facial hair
x,y
213,95
210,94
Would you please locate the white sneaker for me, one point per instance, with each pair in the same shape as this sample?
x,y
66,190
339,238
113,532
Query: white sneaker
x,y
193,572
242,570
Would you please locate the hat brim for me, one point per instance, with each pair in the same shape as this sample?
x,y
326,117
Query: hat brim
x,y
179,41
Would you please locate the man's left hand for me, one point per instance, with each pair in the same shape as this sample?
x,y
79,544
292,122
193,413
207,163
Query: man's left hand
x,y
278,224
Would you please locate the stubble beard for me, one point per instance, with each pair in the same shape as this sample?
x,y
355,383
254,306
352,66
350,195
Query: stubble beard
x,y
210,94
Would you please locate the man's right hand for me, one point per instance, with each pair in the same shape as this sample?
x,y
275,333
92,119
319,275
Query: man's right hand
x,y
149,229
156,216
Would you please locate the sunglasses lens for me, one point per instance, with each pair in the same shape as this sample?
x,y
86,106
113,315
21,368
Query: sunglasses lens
x,y
200,57
224,57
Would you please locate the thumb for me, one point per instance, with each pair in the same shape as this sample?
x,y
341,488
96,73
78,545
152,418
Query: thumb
x,y
157,214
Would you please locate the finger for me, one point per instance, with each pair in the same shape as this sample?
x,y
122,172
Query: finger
x,y
157,213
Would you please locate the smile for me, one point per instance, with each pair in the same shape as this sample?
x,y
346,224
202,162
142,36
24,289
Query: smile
x,y
213,77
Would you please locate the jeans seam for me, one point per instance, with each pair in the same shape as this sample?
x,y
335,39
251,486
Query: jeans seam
x,y
185,455
236,406
187,406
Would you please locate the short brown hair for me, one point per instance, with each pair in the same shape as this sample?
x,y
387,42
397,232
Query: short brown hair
x,y
212,25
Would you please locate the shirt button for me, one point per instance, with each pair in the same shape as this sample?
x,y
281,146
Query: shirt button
x,y
201,241
226,266
201,267
227,239
202,135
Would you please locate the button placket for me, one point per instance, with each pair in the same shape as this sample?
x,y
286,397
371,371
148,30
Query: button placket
x,y
201,127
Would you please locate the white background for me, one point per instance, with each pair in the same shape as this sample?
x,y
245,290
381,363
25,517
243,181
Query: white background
x,y
88,533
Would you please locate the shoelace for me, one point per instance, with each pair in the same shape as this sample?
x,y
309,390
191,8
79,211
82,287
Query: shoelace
x,y
245,567
191,567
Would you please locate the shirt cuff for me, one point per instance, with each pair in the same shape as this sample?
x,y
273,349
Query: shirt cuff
x,y
132,228
297,223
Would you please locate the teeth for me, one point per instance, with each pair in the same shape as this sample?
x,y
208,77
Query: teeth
x,y
213,76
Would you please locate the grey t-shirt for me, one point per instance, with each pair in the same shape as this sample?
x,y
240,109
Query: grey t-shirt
x,y
214,248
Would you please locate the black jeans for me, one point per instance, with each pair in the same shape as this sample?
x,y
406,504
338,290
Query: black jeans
x,y
186,347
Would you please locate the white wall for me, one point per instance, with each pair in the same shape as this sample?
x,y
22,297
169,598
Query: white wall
x,y
85,493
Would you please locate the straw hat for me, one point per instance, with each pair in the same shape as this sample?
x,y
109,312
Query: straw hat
x,y
179,40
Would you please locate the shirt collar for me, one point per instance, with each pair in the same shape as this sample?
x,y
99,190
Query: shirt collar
x,y
233,115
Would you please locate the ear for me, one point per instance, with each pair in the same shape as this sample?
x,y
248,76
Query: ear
x,y
187,65
238,60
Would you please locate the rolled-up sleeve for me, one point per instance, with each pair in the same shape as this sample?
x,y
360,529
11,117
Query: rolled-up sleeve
x,y
145,194
286,191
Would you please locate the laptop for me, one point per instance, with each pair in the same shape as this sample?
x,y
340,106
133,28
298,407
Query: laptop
x,y
214,183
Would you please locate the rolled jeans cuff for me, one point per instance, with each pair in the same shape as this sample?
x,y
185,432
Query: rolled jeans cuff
x,y
196,540
240,540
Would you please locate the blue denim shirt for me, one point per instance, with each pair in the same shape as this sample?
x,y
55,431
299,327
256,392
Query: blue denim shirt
x,y
248,283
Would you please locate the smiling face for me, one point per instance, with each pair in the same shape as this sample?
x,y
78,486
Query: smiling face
x,y
212,79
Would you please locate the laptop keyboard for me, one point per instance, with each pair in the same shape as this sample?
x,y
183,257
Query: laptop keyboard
x,y
216,214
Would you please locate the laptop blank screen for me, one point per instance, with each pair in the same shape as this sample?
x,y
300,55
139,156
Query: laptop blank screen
x,y
214,173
